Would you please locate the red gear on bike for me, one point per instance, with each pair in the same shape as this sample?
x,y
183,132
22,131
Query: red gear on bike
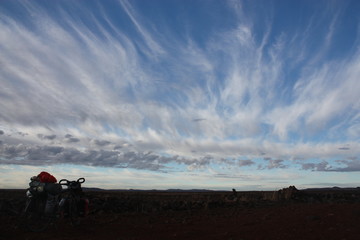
x,y
46,177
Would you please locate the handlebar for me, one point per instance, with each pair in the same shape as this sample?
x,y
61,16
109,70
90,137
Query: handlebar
x,y
67,182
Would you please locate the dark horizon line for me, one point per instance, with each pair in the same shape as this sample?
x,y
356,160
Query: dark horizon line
x,y
334,188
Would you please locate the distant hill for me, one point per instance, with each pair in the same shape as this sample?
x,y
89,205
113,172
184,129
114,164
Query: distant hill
x,y
93,189
332,189
89,189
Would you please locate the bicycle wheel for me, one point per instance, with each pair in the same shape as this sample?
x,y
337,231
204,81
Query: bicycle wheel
x,y
34,217
74,212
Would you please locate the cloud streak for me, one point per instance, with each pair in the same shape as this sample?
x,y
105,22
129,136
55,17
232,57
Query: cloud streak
x,y
123,91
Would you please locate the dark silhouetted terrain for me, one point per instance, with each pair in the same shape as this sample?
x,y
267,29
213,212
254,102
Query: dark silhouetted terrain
x,y
284,214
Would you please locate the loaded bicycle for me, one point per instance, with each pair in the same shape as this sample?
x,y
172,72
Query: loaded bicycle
x,y
68,202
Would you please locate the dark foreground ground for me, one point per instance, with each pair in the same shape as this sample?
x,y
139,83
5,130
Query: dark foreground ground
x,y
195,216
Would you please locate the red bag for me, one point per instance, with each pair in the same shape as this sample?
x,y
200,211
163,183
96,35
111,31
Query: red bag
x,y
46,177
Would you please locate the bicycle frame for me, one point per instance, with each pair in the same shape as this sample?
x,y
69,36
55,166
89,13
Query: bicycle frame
x,y
72,198
34,216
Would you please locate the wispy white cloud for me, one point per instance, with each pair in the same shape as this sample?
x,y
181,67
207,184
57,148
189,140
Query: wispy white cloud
x,y
86,87
154,46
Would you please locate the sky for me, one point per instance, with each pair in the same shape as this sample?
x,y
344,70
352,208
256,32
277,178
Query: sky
x,y
164,94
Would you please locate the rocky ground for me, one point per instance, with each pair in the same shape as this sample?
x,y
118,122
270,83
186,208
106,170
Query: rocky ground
x,y
214,215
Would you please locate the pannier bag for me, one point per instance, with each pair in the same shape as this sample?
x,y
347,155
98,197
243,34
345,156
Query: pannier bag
x,y
83,206
64,206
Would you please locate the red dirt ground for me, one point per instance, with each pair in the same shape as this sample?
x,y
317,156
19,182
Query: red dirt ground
x,y
340,221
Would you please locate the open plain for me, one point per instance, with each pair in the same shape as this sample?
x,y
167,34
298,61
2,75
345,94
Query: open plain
x,y
129,215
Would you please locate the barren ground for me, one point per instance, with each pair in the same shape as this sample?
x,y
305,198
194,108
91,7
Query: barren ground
x,y
281,220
